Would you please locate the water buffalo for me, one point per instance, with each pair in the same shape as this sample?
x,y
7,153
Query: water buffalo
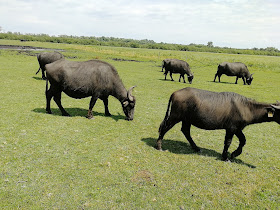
x,y
237,69
46,58
94,78
215,110
175,66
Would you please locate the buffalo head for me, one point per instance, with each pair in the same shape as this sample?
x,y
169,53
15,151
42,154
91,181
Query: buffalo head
x,y
275,112
128,105
249,80
190,78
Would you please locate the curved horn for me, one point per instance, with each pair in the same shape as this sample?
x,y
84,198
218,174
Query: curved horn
x,y
129,93
125,103
275,107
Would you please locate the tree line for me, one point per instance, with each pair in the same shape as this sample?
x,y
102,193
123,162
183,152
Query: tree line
x,y
132,43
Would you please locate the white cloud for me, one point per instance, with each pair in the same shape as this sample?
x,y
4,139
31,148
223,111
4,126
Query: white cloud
x,y
232,23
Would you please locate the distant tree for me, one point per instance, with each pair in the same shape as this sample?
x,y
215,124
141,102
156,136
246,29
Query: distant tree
x,y
210,44
1,29
271,49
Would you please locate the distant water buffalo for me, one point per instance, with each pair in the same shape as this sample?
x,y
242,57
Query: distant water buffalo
x,y
214,110
46,58
175,66
236,69
93,78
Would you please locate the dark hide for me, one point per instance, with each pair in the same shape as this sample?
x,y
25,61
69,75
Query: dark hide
x,y
45,58
237,69
94,78
164,63
212,110
175,66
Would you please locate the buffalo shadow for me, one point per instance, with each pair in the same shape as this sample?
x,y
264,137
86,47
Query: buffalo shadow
x,y
228,83
179,147
78,112
38,78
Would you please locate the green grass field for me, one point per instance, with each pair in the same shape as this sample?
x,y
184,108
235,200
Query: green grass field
x,y
55,162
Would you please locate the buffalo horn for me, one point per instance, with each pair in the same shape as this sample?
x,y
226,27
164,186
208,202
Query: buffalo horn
x,y
275,107
129,93
125,103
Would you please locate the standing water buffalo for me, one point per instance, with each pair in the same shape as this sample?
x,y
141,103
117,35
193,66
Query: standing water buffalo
x,y
45,58
93,78
213,110
237,69
175,66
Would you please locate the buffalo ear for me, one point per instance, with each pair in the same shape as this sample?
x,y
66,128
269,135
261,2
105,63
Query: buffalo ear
x,y
275,107
270,112
125,103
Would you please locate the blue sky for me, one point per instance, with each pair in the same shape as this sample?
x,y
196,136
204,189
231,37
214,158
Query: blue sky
x,y
227,23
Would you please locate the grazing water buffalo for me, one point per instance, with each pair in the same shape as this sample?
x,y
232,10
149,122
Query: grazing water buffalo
x,y
94,78
175,66
213,110
237,69
45,58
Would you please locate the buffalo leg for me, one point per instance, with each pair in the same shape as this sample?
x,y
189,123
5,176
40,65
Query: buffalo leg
x,y
57,99
91,105
236,80
227,143
43,72
182,75
215,77
105,101
244,80
171,76
165,126
49,96
165,74
242,142
186,131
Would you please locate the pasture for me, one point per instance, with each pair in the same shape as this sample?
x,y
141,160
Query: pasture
x,y
55,162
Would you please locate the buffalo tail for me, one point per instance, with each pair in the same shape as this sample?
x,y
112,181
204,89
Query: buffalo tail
x,y
38,70
47,86
166,115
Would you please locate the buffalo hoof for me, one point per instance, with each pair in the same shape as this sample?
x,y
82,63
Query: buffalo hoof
x,y
159,149
48,111
226,159
90,117
108,114
196,149
66,115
